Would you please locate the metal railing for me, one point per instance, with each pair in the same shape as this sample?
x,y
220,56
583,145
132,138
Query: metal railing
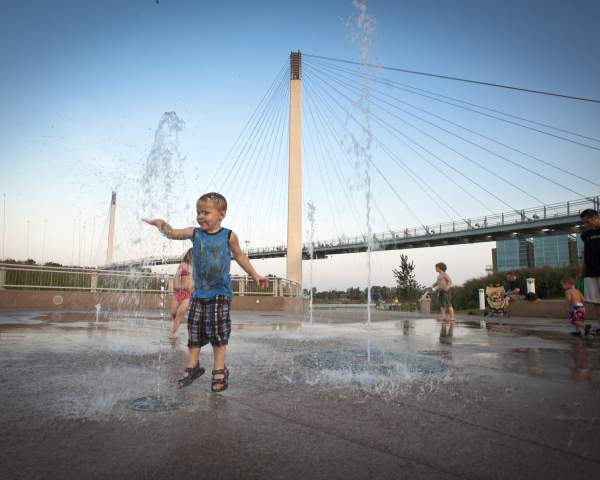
x,y
36,277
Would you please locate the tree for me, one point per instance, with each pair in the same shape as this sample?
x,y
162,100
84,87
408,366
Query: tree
x,y
406,286
354,294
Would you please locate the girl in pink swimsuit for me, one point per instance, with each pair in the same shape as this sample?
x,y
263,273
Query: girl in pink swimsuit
x,y
182,292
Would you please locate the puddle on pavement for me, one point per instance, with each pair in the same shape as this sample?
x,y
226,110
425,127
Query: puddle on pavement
x,y
155,403
385,374
357,361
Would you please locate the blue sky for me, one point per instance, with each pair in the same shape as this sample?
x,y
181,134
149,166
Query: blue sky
x,y
85,83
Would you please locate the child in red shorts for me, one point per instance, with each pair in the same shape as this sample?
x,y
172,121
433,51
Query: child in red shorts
x,y
574,298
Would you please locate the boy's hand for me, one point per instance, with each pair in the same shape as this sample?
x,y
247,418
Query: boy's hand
x,y
262,281
163,227
157,222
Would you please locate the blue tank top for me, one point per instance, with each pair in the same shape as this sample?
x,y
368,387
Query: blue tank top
x,y
212,260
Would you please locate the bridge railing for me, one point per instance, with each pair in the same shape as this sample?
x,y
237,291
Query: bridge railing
x,y
36,277
550,211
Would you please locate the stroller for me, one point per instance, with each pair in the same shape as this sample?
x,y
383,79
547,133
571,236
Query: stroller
x,y
496,302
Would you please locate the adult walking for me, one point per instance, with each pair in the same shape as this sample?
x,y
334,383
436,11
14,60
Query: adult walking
x,y
591,260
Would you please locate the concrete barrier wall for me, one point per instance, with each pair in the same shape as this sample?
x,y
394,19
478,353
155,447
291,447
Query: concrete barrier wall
x,y
545,309
61,300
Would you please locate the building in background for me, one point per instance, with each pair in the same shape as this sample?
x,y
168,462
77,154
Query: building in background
x,y
552,251
545,251
512,255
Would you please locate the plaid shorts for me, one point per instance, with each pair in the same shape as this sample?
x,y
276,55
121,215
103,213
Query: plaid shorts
x,y
209,321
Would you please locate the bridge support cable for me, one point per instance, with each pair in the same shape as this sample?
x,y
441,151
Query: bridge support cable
x,y
381,121
314,140
392,188
409,172
323,174
398,160
100,249
257,170
240,160
240,167
424,93
272,208
487,150
413,175
276,81
337,165
250,150
458,79
338,169
428,151
474,132
418,180
341,145
260,174
280,212
241,184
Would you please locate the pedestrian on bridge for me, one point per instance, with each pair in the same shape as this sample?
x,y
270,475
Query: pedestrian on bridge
x,y
591,260
208,316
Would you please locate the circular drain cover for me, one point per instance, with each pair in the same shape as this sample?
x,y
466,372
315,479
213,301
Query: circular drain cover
x,y
155,404
382,362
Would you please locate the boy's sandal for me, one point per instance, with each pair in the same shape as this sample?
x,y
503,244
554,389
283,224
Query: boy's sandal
x,y
191,374
220,384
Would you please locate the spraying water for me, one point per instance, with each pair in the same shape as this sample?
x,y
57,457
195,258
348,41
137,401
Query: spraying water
x,y
164,166
310,209
162,172
363,27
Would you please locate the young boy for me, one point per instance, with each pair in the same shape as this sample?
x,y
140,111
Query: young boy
x,y
574,298
208,316
443,284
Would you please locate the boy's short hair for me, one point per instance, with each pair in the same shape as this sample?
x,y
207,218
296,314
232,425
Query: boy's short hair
x,y
588,213
442,266
218,199
568,281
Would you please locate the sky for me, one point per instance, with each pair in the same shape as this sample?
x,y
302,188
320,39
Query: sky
x,y
85,85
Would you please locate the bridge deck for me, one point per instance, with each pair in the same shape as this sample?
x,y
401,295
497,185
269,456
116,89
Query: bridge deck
x,y
544,220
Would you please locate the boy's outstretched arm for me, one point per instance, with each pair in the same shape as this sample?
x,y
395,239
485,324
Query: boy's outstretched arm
x,y
244,262
170,232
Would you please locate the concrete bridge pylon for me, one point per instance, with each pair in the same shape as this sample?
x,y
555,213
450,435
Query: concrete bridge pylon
x,y
111,228
294,221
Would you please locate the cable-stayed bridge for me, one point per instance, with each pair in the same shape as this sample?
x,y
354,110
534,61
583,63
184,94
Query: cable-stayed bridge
x,y
420,153
543,220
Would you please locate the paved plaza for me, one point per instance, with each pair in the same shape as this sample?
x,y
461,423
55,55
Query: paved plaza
x,y
407,397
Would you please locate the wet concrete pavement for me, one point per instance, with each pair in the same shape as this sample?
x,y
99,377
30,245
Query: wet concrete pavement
x,y
411,397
